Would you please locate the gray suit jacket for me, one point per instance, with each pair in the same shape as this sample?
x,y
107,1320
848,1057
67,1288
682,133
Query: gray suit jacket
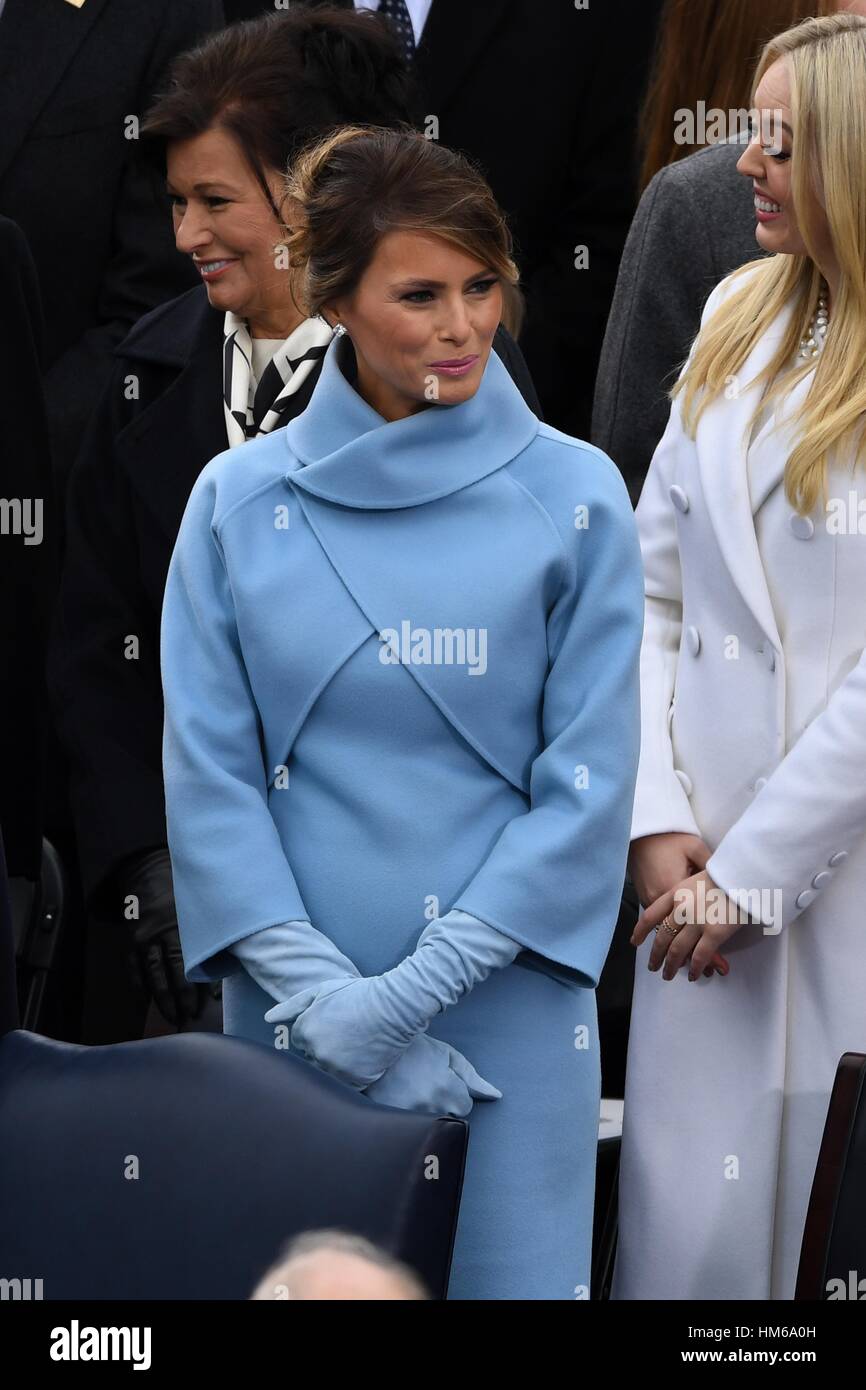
x,y
695,224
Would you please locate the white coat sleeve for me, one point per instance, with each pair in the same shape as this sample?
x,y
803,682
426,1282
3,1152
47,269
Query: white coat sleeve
x,y
798,831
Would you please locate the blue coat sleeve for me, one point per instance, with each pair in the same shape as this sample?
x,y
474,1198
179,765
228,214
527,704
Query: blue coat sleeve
x,y
231,875
553,880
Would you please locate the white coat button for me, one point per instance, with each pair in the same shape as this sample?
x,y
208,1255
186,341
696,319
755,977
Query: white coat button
x,y
802,526
760,784
693,640
822,879
838,858
679,498
685,780
806,897
769,655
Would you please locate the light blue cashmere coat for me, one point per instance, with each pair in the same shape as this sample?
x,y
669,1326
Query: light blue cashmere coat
x,y
400,664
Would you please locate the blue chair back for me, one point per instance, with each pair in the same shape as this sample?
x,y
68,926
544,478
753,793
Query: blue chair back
x,y
177,1167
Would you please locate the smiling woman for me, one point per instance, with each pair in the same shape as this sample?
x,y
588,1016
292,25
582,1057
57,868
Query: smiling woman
x,y
385,850
418,338
230,226
749,826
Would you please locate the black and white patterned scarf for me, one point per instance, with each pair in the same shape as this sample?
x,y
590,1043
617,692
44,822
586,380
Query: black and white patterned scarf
x,y
250,412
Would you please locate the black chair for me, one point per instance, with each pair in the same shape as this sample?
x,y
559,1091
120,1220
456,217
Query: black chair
x,y
176,1168
834,1237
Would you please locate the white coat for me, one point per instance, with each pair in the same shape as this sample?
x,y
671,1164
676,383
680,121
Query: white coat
x,y
753,687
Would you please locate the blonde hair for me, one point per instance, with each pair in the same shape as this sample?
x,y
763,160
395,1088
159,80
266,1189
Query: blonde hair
x,y
343,193
827,63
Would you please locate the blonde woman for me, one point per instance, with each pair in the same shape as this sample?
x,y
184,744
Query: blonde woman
x,y
749,827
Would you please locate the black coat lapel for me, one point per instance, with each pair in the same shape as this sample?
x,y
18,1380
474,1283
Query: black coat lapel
x,y
51,29
166,447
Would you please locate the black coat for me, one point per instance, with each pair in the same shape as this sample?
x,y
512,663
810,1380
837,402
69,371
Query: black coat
x,y
160,421
98,228
27,572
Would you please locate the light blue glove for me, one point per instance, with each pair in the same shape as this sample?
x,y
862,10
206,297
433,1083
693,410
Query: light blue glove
x,y
429,1076
355,1029
432,1077
291,956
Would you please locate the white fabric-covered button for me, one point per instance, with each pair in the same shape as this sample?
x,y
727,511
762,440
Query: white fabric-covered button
x,y
806,897
760,784
685,780
838,858
693,640
803,527
679,498
822,879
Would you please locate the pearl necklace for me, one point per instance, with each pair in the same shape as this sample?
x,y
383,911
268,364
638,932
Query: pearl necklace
x,y
813,340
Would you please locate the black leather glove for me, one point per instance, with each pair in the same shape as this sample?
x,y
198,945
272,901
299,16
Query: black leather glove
x,y
157,959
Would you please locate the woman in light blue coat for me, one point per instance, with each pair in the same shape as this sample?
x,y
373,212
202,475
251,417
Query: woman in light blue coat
x,y
400,660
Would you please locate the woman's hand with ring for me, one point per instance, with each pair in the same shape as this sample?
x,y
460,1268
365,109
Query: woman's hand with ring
x,y
694,940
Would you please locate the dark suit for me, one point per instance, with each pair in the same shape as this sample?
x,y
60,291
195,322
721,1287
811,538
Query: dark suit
x,y
546,98
27,571
159,422
99,233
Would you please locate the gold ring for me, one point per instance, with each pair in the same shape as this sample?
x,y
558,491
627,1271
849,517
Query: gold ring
x,y
668,927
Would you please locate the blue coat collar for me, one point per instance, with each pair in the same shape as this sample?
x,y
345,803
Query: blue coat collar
x,y
344,451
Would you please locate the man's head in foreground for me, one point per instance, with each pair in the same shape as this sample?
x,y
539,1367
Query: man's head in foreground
x,y
337,1265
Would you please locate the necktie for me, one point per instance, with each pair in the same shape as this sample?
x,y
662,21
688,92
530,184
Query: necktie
x,y
397,15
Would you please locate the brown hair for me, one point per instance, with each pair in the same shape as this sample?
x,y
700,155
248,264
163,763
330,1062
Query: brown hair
x,y
706,50
277,82
346,191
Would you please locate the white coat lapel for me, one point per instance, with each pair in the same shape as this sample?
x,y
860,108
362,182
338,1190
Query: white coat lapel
x,y
722,441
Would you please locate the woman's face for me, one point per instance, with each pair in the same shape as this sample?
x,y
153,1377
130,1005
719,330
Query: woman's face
x,y
422,321
223,220
767,162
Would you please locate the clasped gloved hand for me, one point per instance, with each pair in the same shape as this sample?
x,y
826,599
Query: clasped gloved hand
x,y
293,958
157,959
357,1028
432,1077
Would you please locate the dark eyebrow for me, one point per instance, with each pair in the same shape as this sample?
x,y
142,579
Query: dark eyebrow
x,y
419,284
197,188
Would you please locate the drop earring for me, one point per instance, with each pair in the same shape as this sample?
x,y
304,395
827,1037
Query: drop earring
x,y
339,330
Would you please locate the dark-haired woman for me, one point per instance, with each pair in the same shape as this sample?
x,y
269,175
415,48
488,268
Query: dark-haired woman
x,y
235,358
399,805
